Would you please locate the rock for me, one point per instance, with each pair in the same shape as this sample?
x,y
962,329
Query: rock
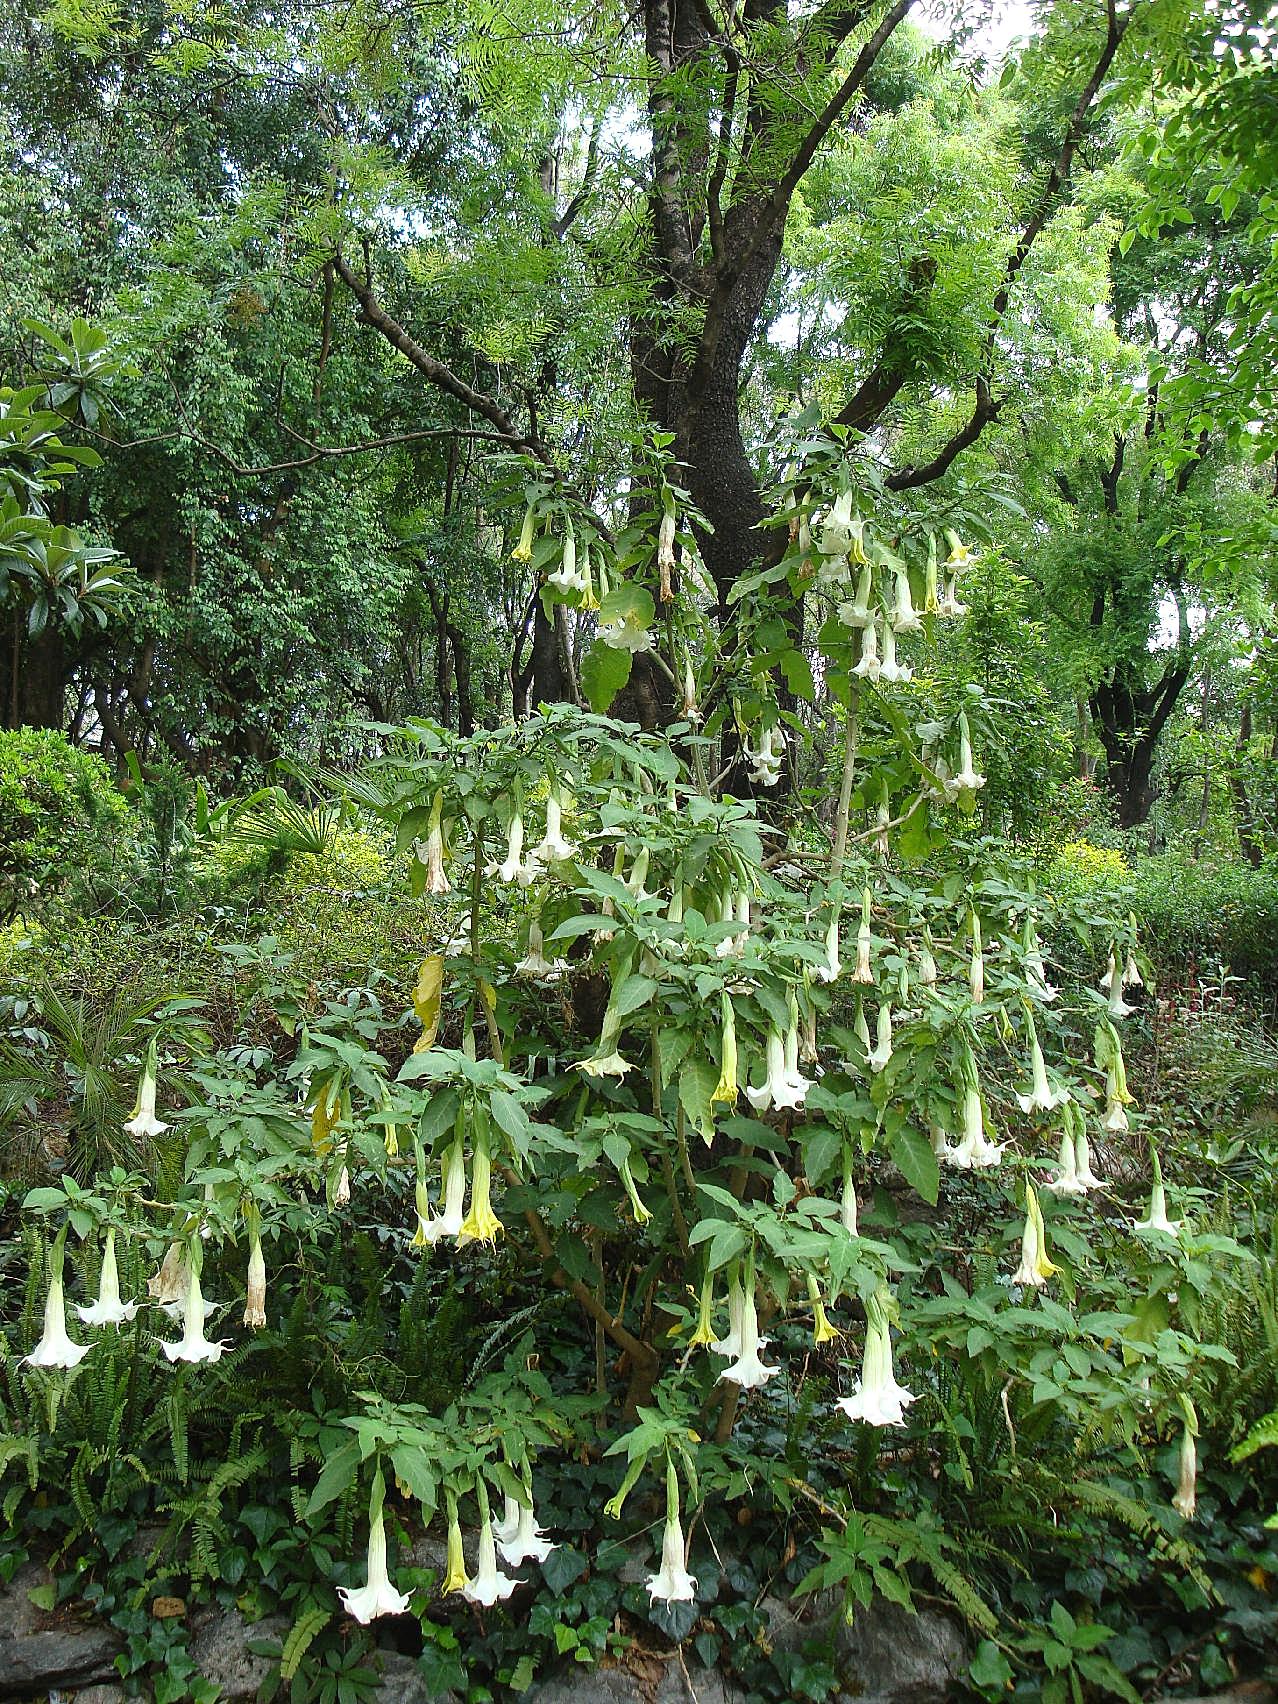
x,y
41,1650
653,1680
888,1656
402,1683
104,1694
218,1649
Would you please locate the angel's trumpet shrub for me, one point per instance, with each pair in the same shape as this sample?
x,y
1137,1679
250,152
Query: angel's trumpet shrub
x,y
1068,1181
847,1201
1185,1501
879,1055
642,1215
868,664
55,1348
527,1543
890,671
965,783
931,601
1035,970
377,1596
553,848
672,1582
704,1332
108,1309
776,1090
864,943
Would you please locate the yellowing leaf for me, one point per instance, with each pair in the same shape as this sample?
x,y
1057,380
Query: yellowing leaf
x,y
428,997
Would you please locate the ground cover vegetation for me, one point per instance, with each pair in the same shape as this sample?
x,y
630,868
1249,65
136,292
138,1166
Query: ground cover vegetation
x,y
637,837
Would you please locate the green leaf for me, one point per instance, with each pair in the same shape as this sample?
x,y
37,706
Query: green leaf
x,y
339,1471
604,671
989,1669
916,1163
562,1567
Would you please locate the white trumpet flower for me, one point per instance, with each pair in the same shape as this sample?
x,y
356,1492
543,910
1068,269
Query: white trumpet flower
x,y
965,782
672,1582
1083,1160
512,868
868,664
377,1596
832,969
857,612
976,967
108,1309
1042,1096
553,848
877,1399
904,619
730,1346
55,1348
974,1151
194,1346
777,1091
1069,1182
894,673
526,1542
797,1082
847,1203
1158,1220
489,1585
1035,970
748,1369
437,881
878,1056
143,1123
765,762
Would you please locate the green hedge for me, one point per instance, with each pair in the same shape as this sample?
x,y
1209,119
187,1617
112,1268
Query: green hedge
x,y
1209,914
65,830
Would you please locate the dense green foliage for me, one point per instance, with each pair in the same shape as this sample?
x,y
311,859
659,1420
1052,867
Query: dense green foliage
x,y
639,797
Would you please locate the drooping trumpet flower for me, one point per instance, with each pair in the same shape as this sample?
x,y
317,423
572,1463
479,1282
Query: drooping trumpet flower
x,y
879,1055
832,969
489,1585
765,762
512,869
1035,970
553,848
606,1060
431,1227
255,1286
523,550
927,960
976,966
481,1224
665,554
1083,1158
1042,1096
534,964
194,1346
527,1542
965,782
377,1596
437,881
1068,1182
456,1579
748,1370
727,1089
143,1123
1185,1501
55,1348
857,611
797,1083
822,1330
847,1200
1035,1268
931,603
730,1345
877,1399
868,664
704,1332
890,671
1157,1219
108,1309
905,620
642,1214
776,1090
672,1582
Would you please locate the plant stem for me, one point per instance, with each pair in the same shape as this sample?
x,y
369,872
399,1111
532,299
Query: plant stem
x,y
851,740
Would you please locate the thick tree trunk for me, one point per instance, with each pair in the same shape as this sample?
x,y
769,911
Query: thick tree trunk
x,y
33,678
1129,720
